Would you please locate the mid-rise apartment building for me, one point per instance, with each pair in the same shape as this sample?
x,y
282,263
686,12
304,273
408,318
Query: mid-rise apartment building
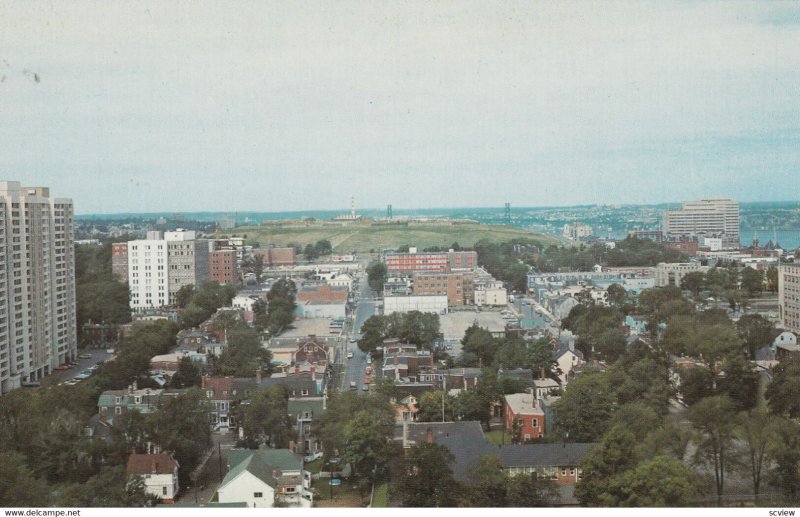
x,y
672,273
161,264
789,296
37,284
718,217
577,231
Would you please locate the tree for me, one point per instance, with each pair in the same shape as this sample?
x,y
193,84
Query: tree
x,y
487,483
693,282
585,408
184,294
612,458
752,281
310,252
756,332
696,384
112,487
266,418
617,294
323,247
784,451
479,341
373,332
244,354
366,445
657,482
187,375
427,479
18,485
714,419
756,430
739,382
376,275
772,279
782,392
180,427
530,491
436,406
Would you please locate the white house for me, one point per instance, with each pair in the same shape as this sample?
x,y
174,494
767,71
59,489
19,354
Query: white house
x,y
159,473
244,302
342,280
260,477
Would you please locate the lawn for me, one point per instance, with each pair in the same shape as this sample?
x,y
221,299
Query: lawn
x,y
495,437
363,237
381,497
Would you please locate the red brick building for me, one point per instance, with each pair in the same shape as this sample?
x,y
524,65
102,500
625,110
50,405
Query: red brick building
x,y
523,406
459,287
443,261
276,256
119,261
322,294
223,267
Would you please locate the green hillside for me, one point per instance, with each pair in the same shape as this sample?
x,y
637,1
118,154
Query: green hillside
x,y
363,237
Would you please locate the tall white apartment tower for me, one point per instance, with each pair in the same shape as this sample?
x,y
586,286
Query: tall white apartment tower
x,y
789,296
714,217
37,284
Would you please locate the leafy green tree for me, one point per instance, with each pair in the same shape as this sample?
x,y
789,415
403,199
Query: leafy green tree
x,y
755,331
376,275
540,357
180,427
471,405
752,281
323,247
517,276
427,478
487,483
585,408
342,407
244,354
266,418
612,458
657,482
366,447
782,391
772,279
19,487
693,282
431,407
714,418
616,294
784,452
529,491
112,487
184,294
739,382
310,252
188,374
373,332
756,430
696,384
479,341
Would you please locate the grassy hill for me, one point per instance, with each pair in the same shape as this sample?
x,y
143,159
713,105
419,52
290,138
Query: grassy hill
x,y
363,236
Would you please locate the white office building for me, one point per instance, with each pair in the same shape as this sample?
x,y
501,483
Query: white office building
x,y
705,218
37,284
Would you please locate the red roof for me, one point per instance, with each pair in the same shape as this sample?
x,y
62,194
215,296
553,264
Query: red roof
x,y
221,386
141,464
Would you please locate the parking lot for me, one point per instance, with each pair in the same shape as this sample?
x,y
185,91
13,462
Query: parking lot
x,y
95,356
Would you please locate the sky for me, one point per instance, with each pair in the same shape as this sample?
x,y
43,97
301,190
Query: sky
x,y
279,106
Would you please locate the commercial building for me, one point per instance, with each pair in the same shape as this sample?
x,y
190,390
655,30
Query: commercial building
x,y
37,284
413,262
223,267
672,273
428,303
274,257
789,296
457,286
715,217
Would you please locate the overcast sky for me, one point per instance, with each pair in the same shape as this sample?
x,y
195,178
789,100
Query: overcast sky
x,y
273,106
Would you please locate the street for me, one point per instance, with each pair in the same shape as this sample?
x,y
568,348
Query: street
x,y
365,307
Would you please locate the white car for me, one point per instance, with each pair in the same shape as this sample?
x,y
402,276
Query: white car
x,y
349,355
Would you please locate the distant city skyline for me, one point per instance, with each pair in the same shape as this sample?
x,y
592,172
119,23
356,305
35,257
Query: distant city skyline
x,y
270,107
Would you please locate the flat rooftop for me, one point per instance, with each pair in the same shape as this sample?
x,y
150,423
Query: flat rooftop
x,y
309,326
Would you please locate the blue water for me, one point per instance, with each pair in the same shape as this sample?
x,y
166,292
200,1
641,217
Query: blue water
x,y
788,239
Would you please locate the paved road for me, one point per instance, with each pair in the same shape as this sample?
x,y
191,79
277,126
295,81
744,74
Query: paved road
x,y
97,355
365,307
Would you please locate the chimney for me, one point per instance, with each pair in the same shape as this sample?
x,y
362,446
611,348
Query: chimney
x,y
297,369
429,436
154,465
258,375
405,433
541,374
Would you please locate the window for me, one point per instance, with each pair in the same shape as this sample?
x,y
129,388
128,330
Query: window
x,y
572,471
563,471
117,410
534,422
258,494
163,490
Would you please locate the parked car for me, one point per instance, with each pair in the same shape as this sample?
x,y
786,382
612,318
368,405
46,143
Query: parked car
x,y
365,387
349,355
85,356
313,457
353,385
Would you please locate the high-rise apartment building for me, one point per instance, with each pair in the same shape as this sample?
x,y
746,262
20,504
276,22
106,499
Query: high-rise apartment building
x,y
37,284
789,296
161,264
705,218
119,261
